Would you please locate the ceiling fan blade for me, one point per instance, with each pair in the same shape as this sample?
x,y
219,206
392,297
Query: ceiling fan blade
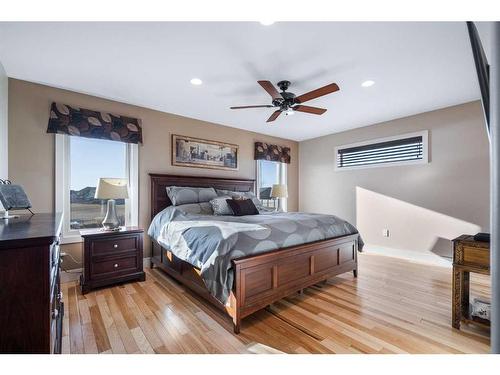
x,y
307,109
252,106
325,90
271,90
274,116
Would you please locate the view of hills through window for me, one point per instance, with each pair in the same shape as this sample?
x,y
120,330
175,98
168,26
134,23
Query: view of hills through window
x,y
107,159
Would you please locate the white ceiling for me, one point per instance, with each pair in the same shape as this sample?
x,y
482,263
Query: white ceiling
x,y
417,67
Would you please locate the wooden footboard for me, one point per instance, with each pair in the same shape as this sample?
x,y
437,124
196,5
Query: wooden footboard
x,y
262,279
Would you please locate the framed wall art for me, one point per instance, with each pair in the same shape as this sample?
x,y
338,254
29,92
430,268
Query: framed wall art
x,y
202,153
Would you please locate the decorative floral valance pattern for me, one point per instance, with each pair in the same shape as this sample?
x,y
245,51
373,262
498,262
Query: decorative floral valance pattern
x,y
65,119
265,151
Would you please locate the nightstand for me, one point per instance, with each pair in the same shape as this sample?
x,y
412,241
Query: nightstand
x,y
469,256
111,257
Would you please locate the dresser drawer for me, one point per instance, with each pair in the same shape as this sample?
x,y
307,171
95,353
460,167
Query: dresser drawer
x,y
110,245
56,329
54,254
56,316
114,266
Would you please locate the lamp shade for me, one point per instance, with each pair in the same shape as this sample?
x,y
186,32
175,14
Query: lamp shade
x,y
279,191
111,188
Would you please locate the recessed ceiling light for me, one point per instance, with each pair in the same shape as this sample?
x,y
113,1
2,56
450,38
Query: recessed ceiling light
x,y
196,81
266,23
368,83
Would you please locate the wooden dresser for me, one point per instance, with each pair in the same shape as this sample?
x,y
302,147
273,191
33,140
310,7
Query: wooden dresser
x,y
468,256
31,307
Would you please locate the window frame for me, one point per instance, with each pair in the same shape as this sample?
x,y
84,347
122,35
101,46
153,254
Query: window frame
x,y
425,151
282,177
62,186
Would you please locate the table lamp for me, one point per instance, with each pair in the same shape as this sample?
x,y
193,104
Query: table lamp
x,y
279,191
111,189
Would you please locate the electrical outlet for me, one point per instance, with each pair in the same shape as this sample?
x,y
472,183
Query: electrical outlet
x,y
385,232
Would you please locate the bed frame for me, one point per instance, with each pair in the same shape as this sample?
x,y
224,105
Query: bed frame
x,y
259,280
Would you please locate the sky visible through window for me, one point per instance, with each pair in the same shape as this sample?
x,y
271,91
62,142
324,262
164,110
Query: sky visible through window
x,y
269,173
95,158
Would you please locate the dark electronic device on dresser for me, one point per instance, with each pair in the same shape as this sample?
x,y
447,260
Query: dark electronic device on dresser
x,y
31,308
111,257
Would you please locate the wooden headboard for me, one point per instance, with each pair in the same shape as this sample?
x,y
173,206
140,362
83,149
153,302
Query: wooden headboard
x,y
159,183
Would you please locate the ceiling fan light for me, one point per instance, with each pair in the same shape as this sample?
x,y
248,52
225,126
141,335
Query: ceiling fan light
x,y
368,83
289,112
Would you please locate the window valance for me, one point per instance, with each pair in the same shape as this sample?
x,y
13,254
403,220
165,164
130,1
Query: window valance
x,y
65,119
266,151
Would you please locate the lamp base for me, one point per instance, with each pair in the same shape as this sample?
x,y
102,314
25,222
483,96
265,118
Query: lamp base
x,y
110,230
111,222
279,208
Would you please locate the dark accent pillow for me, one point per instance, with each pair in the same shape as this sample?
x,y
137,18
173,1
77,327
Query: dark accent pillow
x,y
242,207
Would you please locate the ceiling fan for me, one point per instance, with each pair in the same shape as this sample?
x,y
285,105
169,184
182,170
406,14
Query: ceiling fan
x,y
288,102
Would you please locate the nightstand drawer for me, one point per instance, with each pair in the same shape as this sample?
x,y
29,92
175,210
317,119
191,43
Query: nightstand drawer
x,y
118,265
110,245
476,256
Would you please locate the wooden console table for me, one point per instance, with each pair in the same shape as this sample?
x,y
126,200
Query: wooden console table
x,y
468,256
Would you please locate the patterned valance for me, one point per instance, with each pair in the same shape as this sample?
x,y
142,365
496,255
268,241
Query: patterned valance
x,y
65,119
266,151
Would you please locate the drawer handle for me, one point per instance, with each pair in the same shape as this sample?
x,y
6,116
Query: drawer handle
x,y
115,246
115,265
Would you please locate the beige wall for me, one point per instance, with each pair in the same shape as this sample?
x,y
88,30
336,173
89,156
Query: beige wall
x,y
31,150
4,165
423,206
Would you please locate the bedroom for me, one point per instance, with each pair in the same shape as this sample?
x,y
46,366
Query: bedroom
x,y
325,221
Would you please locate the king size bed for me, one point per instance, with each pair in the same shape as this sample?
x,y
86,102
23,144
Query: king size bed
x,y
242,264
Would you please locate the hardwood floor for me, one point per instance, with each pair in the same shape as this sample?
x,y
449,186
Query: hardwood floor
x,y
394,306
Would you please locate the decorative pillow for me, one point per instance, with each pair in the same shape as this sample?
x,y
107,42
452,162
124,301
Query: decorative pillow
x,y
183,194
239,195
220,206
203,208
242,207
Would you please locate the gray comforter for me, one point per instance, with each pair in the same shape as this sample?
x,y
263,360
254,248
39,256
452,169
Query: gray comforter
x,y
211,242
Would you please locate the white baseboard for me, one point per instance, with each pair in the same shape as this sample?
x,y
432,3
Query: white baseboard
x,y
414,256
74,274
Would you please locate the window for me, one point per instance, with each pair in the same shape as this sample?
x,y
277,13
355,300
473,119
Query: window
x,y
80,162
268,174
403,149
